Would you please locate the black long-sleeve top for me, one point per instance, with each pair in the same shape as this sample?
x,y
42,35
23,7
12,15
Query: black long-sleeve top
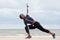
x,y
28,20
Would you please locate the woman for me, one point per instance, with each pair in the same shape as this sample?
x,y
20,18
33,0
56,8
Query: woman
x,y
33,24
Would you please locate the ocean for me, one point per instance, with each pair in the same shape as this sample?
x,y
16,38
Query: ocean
x,y
35,32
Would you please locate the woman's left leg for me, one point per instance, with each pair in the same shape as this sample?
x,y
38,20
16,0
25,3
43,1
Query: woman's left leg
x,y
31,27
43,29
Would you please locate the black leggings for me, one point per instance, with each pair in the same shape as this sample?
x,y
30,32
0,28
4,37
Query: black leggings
x,y
38,26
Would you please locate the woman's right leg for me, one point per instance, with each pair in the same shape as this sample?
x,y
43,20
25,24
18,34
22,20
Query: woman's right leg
x,y
27,30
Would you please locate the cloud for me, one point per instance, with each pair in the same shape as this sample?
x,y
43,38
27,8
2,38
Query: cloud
x,y
8,15
7,3
6,12
44,11
51,26
11,26
16,4
37,5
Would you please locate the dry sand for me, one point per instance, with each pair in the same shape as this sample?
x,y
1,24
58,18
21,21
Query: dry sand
x,y
21,37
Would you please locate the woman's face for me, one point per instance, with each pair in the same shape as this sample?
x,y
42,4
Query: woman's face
x,y
22,16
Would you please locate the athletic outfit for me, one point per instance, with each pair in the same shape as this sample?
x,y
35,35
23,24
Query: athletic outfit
x,y
37,25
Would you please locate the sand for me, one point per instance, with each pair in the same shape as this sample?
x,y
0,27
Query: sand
x,y
21,37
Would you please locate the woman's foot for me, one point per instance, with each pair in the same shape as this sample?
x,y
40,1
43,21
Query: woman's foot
x,y
28,37
53,36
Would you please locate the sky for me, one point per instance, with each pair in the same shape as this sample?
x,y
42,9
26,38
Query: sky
x,y
46,12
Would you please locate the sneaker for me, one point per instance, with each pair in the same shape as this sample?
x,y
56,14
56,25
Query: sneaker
x,y
53,36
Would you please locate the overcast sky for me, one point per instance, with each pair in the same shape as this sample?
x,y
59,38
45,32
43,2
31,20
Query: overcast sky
x,y
47,12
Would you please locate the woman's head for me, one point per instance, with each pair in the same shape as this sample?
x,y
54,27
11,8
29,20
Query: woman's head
x,y
22,16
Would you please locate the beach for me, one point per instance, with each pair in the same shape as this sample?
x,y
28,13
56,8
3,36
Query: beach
x,y
20,34
33,38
